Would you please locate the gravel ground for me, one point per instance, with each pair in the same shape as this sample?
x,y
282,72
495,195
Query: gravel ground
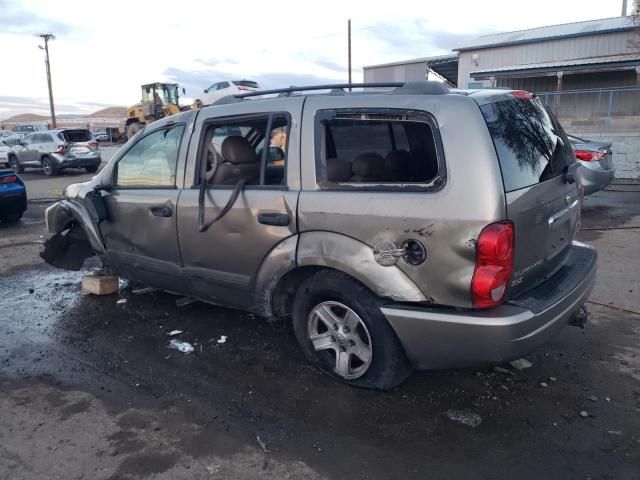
x,y
90,389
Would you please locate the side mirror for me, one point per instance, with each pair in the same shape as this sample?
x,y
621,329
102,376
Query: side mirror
x,y
5,143
206,90
184,92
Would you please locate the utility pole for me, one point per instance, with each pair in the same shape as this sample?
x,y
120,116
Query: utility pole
x,y
624,8
46,37
349,49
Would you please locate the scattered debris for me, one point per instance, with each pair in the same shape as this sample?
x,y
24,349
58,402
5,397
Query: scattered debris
x,y
615,432
121,301
544,384
214,468
521,363
174,332
181,302
584,414
503,370
31,290
100,284
262,444
593,398
222,339
184,347
466,418
140,291
607,399
552,379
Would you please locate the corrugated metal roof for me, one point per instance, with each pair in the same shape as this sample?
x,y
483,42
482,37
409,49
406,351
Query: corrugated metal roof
x,y
540,34
449,56
629,57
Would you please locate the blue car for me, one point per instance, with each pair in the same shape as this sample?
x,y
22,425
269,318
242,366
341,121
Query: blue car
x,y
13,196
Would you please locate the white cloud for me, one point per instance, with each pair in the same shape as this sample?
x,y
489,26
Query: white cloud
x,y
105,50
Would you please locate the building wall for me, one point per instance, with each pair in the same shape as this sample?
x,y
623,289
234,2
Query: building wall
x,y
396,73
616,43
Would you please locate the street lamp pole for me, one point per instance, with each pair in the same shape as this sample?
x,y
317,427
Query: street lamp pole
x,y
46,37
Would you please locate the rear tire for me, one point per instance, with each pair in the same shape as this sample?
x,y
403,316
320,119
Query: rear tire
x,y
48,167
132,129
93,169
367,353
15,165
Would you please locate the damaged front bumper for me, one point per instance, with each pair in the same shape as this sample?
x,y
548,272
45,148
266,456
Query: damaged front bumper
x,y
74,235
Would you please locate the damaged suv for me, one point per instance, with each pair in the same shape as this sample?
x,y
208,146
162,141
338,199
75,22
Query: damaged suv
x,y
401,226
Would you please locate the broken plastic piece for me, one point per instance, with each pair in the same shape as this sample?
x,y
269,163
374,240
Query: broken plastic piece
x,y
521,364
184,347
181,302
222,339
121,301
466,418
174,332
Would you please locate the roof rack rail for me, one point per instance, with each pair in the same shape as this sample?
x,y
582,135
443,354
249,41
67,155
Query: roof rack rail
x,y
424,87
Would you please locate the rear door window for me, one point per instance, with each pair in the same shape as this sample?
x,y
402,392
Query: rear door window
x,y
245,83
73,136
530,143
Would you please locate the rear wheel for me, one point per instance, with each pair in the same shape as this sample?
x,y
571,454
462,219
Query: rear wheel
x,y
48,167
11,216
341,330
93,169
13,163
133,128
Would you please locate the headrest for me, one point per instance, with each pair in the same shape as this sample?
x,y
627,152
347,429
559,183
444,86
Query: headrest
x,y
369,165
237,150
338,170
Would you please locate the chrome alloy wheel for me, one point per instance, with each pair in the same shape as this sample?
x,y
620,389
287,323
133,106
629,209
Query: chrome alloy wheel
x,y
339,333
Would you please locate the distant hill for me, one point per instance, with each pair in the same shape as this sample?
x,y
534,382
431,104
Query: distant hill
x,y
109,112
26,118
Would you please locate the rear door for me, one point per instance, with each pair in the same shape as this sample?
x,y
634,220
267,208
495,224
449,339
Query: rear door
x,y
534,153
27,153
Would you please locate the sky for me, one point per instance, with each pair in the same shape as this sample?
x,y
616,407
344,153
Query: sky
x,y
105,50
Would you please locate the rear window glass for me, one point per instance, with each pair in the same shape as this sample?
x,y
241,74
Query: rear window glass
x,y
529,141
76,135
245,83
377,148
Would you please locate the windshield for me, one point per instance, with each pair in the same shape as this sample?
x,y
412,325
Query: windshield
x,y
76,135
24,128
161,94
529,141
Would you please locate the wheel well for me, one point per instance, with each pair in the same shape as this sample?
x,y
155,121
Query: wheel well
x,y
286,288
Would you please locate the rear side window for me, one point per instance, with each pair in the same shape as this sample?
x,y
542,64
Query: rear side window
x,y
379,148
76,135
530,143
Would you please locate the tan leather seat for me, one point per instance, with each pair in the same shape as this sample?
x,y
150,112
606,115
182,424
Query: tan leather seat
x,y
338,170
368,167
240,162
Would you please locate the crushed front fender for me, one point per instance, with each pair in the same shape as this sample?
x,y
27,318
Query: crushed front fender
x,y
66,213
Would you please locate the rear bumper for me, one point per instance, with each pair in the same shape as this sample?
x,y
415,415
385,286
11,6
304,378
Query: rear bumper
x,y
78,162
436,338
594,177
13,202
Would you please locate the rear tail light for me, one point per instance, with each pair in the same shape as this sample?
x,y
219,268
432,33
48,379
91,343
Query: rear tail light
x,y
522,94
60,149
8,179
494,264
588,156
243,88
93,145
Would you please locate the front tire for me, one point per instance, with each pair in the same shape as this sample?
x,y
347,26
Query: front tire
x,y
15,165
93,169
48,167
341,330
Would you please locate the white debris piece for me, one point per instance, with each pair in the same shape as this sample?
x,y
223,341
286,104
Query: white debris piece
x,y
174,332
184,347
466,418
262,444
222,339
121,301
521,363
544,384
584,414
214,468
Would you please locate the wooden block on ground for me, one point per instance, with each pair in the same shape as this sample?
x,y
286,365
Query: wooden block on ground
x,y
100,284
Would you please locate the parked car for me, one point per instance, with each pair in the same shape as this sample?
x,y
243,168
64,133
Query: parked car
x,y
222,89
9,137
4,150
55,150
101,136
416,228
13,196
25,129
596,163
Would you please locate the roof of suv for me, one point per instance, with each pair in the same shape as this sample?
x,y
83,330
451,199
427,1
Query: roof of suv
x,y
392,88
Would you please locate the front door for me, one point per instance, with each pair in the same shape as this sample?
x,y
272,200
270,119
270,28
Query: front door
x,y
140,234
27,154
223,262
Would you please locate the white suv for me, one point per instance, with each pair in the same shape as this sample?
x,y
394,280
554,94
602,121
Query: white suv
x,y
231,87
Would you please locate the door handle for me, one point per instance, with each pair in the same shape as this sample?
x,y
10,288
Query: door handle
x,y
278,219
161,211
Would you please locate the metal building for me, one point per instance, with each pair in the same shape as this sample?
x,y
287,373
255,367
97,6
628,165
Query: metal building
x,y
571,56
443,66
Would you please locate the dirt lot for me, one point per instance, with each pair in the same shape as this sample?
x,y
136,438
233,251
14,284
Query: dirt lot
x,y
89,389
